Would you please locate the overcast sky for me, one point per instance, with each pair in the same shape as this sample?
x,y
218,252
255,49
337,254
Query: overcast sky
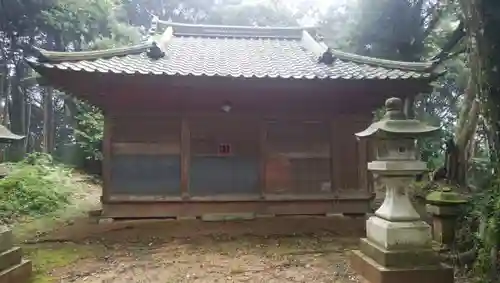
x,y
294,5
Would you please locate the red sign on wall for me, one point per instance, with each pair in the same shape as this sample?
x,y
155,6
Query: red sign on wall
x,y
224,149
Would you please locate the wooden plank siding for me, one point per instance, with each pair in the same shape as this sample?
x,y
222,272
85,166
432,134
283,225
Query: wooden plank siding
x,y
269,159
298,160
145,157
224,156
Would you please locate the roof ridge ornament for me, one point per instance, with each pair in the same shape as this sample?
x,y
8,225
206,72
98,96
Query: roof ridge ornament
x,y
155,52
165,38
327,57
157,49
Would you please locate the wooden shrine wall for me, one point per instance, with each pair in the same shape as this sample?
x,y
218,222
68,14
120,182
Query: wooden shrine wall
x,y
233,156
145,156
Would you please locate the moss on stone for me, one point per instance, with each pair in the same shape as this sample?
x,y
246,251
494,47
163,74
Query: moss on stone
x,y
445,196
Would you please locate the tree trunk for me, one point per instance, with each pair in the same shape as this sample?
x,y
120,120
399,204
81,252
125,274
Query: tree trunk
x,y
17,113
458,164
483,21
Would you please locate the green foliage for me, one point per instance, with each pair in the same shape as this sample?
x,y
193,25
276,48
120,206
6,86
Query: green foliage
x,y
486,208
338,24
34,187
89,131
87,20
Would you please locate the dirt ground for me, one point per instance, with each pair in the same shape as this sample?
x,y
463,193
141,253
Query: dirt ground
x,y
196,251
284,249
70,248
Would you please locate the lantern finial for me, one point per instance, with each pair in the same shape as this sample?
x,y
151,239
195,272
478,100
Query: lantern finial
x,y
394,109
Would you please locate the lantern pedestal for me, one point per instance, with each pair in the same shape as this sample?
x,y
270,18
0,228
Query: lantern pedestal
x,y
396,252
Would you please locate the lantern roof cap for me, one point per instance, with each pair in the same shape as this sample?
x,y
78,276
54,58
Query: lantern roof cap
x,y
6,136
395,123
445,197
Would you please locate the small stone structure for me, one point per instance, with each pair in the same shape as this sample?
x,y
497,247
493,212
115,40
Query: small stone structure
x,y
6,136
13,269
444,206
398,246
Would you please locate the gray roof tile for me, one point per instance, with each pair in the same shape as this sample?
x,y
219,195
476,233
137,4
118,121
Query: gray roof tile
x,y
221,52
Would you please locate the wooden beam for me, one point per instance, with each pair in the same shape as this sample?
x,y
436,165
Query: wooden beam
x,y
185,157
198,208
131,198
128,148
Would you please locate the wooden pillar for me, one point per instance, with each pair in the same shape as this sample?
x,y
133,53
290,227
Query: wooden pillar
x,y
362,165
364,156
107,156
262,156
335,136
185,157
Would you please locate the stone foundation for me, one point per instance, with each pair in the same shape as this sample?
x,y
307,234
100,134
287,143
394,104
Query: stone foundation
x,y
399,258
396,252
13,269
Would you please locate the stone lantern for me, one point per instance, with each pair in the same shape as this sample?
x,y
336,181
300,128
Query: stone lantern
x,y
398,244
444,206
6,136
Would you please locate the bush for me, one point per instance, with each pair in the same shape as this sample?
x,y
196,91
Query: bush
x,y
89,130
34,187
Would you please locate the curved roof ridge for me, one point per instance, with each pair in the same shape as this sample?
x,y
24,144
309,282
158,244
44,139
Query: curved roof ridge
x,y
184,29
180,25
424,66
64,56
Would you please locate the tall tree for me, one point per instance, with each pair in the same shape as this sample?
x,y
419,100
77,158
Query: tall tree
x,y
42,114
416,30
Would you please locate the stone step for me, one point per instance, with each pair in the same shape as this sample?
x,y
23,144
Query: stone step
x,y
20,273
6,241
10,258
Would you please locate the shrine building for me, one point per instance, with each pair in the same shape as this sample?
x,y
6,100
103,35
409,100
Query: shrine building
x,y
226,119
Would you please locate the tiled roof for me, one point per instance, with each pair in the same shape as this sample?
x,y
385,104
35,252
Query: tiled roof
x,y
233,52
